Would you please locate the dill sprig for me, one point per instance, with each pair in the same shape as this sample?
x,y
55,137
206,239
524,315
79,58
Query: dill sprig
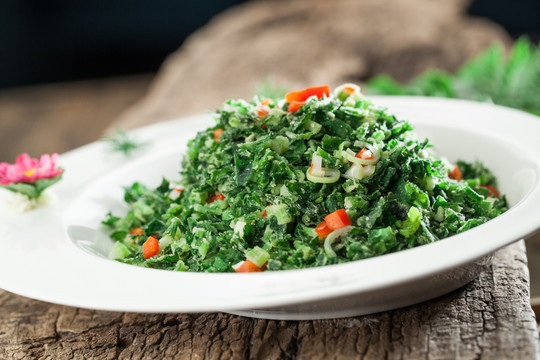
x,y
123,143
269,89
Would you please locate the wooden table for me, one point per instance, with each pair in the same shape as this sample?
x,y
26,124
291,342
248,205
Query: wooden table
x,y
491,317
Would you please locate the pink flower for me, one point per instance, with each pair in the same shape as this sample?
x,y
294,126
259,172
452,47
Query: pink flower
x,y
29,170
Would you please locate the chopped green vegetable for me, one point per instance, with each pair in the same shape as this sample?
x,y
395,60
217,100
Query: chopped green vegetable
x,y
258,256
337,180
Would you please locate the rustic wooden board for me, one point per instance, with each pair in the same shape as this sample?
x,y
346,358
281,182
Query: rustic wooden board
x,y
489,318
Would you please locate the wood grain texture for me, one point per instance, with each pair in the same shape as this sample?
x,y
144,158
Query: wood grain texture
x,y
490,318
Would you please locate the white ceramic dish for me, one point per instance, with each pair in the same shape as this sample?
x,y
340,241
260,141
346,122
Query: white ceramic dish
x,y
58,253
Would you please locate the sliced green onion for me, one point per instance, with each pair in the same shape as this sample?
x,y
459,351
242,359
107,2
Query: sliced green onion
x,y
239,228
430,182
362,144
119,251
349,185
284,191
351,156
280,144
258,256
328,176
332,237
313,126
316,166
378,136
369,170
356,171
281,212
165,241
343,91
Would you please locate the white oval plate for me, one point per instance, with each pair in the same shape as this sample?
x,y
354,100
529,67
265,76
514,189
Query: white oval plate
x,y
57,253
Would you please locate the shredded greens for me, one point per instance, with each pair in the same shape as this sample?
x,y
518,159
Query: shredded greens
x,y
257,185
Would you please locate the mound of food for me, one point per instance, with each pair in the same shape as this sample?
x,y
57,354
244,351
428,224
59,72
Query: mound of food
x,y
309,180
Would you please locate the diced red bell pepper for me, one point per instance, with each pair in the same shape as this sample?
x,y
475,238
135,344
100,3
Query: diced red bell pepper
x,y
218,133
333,221
136,231
262,111
303,95
338,219
294,106
248,266
323,230
365,154
492,190
455,173
216,198
150,247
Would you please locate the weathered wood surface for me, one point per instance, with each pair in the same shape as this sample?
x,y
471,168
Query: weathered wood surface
x,y
490,318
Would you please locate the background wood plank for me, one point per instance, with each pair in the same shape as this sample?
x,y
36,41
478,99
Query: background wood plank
x,y
489,318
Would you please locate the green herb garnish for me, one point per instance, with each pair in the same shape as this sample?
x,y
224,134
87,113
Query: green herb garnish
x,y
123,143
511,80
269,89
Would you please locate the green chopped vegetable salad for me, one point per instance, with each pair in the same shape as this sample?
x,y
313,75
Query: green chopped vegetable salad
x,y
310,180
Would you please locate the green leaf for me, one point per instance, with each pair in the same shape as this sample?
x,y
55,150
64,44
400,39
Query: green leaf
x,y
32,190
409,226
492,76
23,188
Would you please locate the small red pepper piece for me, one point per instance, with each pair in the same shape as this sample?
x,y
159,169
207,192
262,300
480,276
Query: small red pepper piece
x,y
492,190
365,154
264,214
248,266
218,133
263,108
297,99
216,198
150,247
338,219
294,106
323,230
303,95
455,173
136,231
